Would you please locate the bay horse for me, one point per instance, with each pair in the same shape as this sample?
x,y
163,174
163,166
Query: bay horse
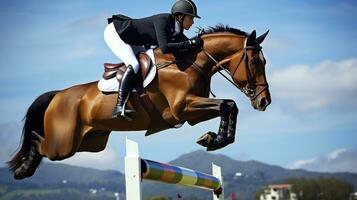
x,y
60,123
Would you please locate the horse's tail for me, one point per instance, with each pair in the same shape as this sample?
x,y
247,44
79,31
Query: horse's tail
x,y
34,121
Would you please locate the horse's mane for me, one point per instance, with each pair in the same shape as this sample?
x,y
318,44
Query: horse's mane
x,y
222,28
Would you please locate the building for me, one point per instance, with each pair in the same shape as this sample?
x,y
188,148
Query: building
x,y
278,192
353,196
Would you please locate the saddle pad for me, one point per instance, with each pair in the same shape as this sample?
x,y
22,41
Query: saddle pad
x,y
112,85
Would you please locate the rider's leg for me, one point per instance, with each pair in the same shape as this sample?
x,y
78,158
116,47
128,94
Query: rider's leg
x,y
125,87
127,55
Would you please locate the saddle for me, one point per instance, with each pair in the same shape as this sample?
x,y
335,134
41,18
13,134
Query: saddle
x,y
117,70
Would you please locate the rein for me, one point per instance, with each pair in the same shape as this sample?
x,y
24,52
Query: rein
x,y
247,90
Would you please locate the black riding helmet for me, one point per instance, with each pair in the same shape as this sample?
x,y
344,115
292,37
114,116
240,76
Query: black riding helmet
x,y
186,7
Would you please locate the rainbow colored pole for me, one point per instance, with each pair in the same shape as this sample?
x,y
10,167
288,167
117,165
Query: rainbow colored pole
x,y
152,170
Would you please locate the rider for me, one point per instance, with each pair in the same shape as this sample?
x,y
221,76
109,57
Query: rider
x,y
124,34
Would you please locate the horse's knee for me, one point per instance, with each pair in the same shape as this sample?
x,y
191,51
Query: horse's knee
x,y
57,149
55,156
233,107
224,110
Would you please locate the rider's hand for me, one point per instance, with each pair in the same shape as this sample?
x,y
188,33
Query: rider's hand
x,y
196,41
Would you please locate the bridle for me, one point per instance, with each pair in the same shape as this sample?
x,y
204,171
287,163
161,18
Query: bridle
x,y
250,88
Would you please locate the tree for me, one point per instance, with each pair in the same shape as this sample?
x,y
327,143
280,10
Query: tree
x,y
321,188
158,198
258,193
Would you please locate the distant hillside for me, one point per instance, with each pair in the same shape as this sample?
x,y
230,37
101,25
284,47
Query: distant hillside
x,y
255,174
59,181
202,160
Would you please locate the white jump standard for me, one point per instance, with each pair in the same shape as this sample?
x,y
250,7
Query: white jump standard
x,y
137,169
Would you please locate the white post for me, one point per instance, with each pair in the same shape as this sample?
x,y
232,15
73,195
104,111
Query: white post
x,y
132,171
216,172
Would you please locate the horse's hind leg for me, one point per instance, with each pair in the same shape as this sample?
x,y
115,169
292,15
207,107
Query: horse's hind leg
x,y
63,129
61,140
94,141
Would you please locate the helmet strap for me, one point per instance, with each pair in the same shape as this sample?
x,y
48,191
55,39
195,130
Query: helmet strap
x,y
180,20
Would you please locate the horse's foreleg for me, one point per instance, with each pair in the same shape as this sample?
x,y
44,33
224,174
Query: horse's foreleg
x,y
200,109
227,128
232,121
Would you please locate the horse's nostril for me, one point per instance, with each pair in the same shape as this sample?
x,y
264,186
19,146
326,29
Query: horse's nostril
x,y
262,102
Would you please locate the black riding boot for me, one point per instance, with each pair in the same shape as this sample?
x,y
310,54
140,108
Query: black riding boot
x,y
126,85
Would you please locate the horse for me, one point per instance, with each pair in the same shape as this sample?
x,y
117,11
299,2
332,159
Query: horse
x,y
60,123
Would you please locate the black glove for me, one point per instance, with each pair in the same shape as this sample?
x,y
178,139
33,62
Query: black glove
x,y
196,41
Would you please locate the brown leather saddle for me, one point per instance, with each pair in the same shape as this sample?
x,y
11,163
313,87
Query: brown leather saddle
x,y
117,70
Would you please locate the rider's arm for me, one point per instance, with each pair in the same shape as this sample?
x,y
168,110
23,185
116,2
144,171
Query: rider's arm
x,y
181,37
162,34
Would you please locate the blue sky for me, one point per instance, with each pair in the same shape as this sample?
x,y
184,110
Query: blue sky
x,y
312,71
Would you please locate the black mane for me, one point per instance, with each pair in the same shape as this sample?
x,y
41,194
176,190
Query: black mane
x,y
222,28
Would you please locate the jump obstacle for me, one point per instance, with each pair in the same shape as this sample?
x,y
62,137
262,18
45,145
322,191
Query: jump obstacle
x,y
137,169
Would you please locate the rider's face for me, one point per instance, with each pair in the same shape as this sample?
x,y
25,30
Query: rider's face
x,y
187,22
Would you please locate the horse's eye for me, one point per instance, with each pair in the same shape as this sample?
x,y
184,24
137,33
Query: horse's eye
x,y
255,61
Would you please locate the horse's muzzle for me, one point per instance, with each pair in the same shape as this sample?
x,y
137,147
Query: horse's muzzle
x,y
261,103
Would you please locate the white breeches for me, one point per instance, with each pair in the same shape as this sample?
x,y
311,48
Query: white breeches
x,y
125,52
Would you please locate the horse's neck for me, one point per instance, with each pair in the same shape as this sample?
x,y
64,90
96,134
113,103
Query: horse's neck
x,y
221,46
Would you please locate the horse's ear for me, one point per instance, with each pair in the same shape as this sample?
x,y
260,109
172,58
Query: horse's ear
x,y
251,38
261,38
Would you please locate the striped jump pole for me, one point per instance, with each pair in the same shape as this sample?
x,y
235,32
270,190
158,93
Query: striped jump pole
x,y
137,169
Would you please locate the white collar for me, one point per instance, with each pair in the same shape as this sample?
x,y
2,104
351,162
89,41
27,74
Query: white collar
x,y
177,28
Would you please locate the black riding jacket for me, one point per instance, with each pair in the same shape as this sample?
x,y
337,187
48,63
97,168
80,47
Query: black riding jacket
x,y
157,30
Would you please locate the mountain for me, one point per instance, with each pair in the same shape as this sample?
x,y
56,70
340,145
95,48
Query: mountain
x,y
252,169
59,181
254,174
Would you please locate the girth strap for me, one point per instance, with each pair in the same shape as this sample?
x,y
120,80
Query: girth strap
x,y
207,80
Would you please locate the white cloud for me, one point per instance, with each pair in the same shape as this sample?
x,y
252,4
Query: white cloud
x,y
335,154
339,160
89,23
107,159
79,52
278,44
301,163
326,85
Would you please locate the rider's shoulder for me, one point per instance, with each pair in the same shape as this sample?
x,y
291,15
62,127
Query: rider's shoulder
x,y
163,16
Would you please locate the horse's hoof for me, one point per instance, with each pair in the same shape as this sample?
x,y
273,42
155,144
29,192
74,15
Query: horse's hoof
x,y
207,139
216,146
18,174
211,148
28,165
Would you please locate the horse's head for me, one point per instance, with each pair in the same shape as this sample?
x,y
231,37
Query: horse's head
x,y
241,56
247,68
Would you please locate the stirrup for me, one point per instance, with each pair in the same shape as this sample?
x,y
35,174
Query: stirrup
x,y
123,113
